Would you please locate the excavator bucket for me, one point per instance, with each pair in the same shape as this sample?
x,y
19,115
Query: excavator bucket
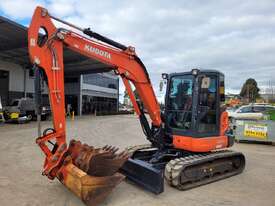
x,y
90,189
91,173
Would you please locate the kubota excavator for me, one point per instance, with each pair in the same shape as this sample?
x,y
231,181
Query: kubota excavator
x,y
187,140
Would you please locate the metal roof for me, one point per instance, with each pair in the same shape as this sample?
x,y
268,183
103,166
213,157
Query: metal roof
x,y
14,48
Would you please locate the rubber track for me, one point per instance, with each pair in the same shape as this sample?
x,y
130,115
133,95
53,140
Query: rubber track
x,y
174,168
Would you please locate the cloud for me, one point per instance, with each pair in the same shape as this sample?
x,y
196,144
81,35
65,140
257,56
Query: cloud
x,y
19,9
235,37
62,8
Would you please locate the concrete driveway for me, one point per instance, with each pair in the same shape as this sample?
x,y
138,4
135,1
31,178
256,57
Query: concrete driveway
x,y
21,162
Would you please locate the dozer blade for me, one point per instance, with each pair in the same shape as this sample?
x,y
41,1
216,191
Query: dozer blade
x,y
91,173
90,189
144,175
139,170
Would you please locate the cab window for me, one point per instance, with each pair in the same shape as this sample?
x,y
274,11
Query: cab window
x,y
207,104
179,105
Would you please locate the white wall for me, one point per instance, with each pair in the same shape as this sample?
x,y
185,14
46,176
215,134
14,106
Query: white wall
x,y
29,83
16,77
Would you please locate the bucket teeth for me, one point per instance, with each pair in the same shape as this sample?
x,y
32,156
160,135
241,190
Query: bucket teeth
x,y
110,149
105,164
98,162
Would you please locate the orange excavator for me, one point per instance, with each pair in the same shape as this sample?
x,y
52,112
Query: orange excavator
x,y
188,139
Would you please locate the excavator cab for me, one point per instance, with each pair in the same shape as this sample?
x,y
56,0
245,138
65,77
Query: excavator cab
x,y
191,114
193,107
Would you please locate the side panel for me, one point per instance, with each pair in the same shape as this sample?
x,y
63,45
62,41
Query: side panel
x,y
205,144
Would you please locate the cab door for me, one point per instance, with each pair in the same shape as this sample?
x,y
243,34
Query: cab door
x,y
179,101
207,118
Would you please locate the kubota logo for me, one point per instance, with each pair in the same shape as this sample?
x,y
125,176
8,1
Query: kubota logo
x,y
97,51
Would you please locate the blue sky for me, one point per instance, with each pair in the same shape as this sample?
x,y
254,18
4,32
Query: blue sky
x,y
236,37
24,22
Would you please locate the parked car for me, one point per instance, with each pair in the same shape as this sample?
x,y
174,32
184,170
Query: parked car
x,y
24,108
125,108
252,111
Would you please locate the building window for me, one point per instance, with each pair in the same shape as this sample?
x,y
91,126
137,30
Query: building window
x,y
100,80
112,86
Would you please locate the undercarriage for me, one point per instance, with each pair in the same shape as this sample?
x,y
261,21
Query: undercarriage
x,y
149,166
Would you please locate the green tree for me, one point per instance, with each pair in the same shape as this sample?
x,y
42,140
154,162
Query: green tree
x,y
250,90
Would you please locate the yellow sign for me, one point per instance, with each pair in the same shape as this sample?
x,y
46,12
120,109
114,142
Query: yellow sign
x,y
255,130
14,115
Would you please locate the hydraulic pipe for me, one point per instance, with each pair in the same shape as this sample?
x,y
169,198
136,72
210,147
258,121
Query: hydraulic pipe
x,y
92,34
